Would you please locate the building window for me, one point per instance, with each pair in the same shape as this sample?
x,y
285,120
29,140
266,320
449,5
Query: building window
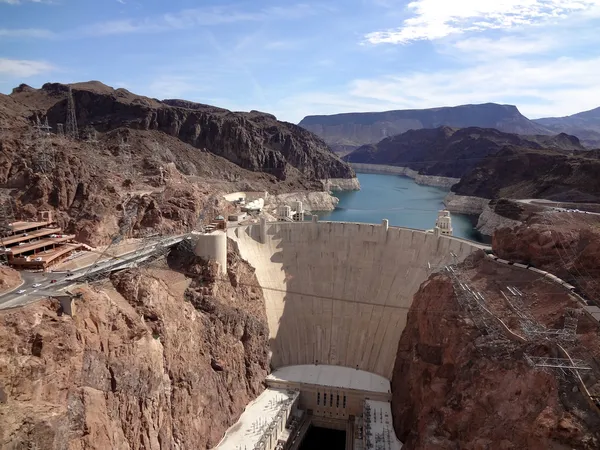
x,y
337,401
330,400
318,398
344,401
325,399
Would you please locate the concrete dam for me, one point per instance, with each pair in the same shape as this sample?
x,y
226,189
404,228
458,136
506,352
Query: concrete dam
x,y
337,297
339,293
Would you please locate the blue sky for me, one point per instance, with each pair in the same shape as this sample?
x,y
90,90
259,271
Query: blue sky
x,y
299,58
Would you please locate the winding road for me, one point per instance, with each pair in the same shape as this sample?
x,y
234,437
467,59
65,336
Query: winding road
x,y
54,283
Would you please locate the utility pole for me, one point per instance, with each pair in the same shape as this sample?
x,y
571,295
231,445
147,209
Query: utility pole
x,y
71,116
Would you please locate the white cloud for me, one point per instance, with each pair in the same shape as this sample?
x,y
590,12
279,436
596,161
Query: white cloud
x,y
209,16
435,19
18,2
23,68
25,33
555,87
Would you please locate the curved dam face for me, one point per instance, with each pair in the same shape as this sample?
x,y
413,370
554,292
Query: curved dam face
x,y
339,293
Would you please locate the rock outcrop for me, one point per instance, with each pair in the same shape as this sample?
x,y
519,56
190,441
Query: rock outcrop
x,y
564,244
343,131
9,279
489,221
450,152
522,173
341,184
311,201
254,140
139,367
462,204
427,180
144,166
455,387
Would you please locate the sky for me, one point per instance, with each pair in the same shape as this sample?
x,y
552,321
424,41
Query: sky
x,y
294,59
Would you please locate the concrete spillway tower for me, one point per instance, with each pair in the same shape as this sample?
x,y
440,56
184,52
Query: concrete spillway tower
x,y
213,247
284,213
444,223
299,211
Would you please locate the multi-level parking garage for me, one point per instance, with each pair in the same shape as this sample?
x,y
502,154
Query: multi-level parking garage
x,y
337,297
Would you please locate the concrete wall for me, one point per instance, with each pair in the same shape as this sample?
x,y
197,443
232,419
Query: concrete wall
x,y
339,293
213,246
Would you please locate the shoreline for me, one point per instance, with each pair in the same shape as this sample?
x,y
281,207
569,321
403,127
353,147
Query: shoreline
x,y
426,180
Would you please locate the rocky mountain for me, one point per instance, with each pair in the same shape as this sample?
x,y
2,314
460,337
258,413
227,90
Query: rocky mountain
x,y
564,244
585,125
451,152
351,130
254,141
460,385
145,364
161,165
517,172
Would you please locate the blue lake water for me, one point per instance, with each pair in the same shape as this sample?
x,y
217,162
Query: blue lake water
x,y
400,200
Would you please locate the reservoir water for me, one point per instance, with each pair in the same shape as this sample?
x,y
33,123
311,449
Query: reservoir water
x,y
400,200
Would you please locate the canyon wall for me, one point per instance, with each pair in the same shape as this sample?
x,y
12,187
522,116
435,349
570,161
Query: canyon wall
x,y
138,367
456,386
461,204
428,180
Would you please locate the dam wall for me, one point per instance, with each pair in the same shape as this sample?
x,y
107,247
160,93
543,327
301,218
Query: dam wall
x,y
338,293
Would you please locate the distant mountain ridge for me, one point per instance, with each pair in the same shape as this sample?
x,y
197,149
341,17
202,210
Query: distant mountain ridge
x,y
585,125
345,131
452,152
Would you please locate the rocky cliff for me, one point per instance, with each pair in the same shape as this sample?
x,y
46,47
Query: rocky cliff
x,y
429,180
344,131
451,152
140,366
142,165
564,244
527,173
254,140
9,279
459,385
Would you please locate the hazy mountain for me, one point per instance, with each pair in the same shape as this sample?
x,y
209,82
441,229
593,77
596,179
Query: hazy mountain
x,y
344,131
452,152
585,125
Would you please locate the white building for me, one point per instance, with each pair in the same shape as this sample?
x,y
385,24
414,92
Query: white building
x,y
444,222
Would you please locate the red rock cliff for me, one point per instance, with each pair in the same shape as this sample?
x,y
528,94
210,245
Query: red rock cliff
x,y
143,369
453,391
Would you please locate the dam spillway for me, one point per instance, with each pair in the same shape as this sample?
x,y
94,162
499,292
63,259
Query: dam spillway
x,y
339,293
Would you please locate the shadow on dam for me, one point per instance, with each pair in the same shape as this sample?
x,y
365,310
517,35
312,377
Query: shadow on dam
x,y
338,293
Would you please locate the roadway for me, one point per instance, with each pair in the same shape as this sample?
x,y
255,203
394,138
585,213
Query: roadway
x,y
63,280
555,205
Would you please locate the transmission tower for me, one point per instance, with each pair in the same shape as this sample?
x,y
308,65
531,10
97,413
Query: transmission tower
x,y
42,129
125,151
45,159
71,116
7,217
